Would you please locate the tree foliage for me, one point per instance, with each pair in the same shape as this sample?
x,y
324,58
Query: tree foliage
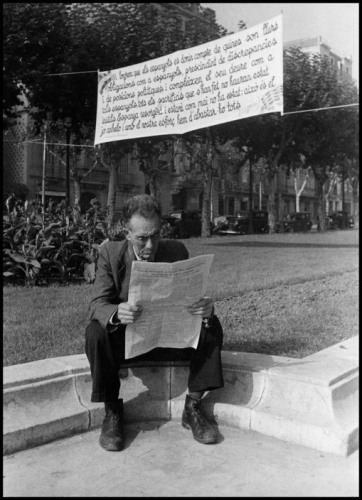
x,y
310,83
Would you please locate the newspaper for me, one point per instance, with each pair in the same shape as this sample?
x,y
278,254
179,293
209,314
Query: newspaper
x,y
164,290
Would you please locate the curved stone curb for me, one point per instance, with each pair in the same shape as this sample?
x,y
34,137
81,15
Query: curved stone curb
x,y
311,401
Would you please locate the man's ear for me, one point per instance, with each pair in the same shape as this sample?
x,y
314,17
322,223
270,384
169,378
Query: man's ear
x,y
128,236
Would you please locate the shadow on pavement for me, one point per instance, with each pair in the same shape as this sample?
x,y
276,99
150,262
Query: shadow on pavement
x,y
280,347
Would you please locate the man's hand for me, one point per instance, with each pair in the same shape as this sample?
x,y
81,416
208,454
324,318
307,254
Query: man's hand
x,y
127,313
203,307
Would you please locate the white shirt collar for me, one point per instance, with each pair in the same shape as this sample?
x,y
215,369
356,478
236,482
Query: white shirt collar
x,y
136,254
138,257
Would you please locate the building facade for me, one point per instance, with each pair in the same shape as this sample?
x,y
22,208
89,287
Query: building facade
x,y
342,63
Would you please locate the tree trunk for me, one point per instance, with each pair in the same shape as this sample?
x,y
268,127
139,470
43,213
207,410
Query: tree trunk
x,y
355,198
321,212
298,195
77,191
332,183
76,205
112,193
206,200
271,202
260,196
299,191
153,184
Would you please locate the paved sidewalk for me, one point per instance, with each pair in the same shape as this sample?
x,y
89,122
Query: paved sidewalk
x,y
161,459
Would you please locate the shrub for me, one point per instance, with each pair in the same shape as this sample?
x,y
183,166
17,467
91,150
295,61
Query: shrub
x,y
59,245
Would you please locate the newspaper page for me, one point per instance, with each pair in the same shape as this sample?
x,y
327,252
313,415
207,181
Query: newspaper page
x,y
164,290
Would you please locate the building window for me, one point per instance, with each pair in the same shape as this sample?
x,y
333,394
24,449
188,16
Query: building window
x,y
244,204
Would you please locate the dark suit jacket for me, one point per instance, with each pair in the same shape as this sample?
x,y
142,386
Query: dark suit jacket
x,y
113,273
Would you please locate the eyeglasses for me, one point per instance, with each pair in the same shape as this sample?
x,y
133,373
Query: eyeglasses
x,y
143,239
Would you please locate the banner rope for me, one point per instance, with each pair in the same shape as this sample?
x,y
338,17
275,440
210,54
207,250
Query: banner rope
x,y
319,109
73,73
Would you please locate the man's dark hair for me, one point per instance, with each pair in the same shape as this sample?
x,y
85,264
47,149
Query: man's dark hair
x,y
143,204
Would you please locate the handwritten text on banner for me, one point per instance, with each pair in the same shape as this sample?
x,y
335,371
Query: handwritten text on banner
x,y
234,77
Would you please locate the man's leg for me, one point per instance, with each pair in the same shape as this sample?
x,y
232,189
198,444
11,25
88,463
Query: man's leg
x,y
103,350
205,365
205,374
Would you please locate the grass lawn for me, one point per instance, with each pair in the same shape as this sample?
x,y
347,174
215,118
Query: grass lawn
x,y
281,294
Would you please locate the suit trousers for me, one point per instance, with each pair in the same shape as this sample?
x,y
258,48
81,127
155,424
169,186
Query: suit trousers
x,y
105,352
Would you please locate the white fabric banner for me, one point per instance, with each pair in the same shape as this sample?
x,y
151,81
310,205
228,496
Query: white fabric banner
x,y
230,78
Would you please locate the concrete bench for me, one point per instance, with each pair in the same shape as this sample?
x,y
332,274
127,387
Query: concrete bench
x,y
311,401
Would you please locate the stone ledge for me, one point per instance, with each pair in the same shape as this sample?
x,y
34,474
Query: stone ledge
x,y
311,401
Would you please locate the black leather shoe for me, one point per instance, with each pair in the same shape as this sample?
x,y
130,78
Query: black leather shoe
x,y
193,418
111,438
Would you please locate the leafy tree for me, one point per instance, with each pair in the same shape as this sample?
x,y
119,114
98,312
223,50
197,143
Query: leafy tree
x,y
36,42
210,151
150,154
326,134
309,83
347,159
201,148
111,157
331,138
296,169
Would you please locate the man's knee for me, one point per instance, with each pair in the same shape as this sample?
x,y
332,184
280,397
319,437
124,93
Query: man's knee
x,y
217,330
214,333
94,333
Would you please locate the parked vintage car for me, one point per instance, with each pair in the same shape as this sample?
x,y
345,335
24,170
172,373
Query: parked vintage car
x,y
221,222
294,222
240,223
182,224
339,220
167,227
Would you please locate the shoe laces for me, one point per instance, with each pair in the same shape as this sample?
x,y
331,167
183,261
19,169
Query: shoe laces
x,y
195,405
115,417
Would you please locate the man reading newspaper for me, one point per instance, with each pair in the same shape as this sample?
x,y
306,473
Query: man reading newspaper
x,y
110,313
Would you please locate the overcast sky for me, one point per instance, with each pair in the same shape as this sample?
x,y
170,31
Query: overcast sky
x,y
337,23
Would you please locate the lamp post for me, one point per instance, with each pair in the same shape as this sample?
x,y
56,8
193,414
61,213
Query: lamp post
x,y
67,124
43,173
343,219
250,228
